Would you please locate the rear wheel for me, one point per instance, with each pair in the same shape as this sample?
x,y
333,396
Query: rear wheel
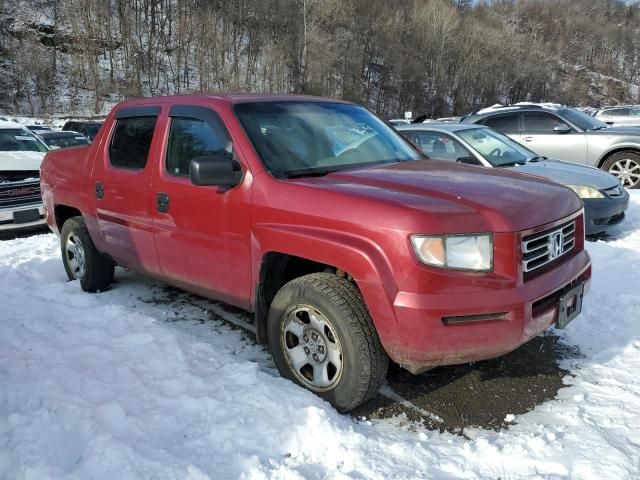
x,y
81,259
625,166
321,337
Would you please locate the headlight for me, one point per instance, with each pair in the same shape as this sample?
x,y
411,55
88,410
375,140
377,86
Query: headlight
x,y
462,252
586,192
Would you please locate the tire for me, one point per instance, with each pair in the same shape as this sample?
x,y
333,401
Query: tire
x,y
324,315
626,166
81,259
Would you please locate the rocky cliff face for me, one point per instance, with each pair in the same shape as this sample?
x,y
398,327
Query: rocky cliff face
x,y
44,63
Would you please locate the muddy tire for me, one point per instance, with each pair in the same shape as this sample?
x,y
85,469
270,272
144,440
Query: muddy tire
x,y
626,166
321,337
81,260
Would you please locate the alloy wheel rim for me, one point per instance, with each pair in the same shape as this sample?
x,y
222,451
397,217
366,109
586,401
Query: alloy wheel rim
x,y
312,348
76,259
627,170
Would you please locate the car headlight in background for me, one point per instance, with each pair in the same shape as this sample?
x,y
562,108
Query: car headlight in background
x,y
586,192
462,252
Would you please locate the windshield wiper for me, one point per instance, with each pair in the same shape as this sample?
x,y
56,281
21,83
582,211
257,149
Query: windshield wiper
x,y
306,173
535,159
512,164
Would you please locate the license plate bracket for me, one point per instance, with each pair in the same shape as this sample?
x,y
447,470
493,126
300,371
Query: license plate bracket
x,y
26,216
570,305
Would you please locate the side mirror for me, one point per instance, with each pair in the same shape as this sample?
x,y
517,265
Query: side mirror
x,y
468,160
219,169
562,128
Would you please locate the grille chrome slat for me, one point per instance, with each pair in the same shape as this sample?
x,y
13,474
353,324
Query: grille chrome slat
x,y
537,248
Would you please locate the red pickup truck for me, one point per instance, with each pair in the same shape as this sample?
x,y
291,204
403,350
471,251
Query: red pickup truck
x,y
348,245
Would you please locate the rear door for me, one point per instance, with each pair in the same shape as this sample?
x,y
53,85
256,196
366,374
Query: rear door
x,y
507,123
539,136
202,233
121,186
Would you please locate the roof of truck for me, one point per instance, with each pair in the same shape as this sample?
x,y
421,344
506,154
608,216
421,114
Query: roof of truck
x,y
229,98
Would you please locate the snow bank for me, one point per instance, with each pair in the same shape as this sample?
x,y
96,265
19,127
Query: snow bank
x,y
122,385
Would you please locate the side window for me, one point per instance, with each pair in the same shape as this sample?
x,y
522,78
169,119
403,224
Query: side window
x,y
131,142
504,123
440,146
190,138
619,112
541,122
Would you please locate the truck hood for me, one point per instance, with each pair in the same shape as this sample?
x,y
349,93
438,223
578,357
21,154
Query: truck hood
x,y
568,173
20,161
459,198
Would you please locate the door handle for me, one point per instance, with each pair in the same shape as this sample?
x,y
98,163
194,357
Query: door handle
x,y
162,202
99,190
528,139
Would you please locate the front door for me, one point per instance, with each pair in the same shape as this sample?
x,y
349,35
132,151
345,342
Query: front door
x,y
202,233
121,183
539,136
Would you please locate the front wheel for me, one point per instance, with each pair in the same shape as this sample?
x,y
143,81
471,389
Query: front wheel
x,y
321,337
625,166
81,259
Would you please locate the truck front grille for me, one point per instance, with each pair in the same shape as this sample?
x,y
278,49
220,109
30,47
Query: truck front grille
x,y
542,248
18,194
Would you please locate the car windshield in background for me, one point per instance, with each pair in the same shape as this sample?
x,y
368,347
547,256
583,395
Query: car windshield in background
x,y
93,128
581,119
497,149
305,138
65,141
19,140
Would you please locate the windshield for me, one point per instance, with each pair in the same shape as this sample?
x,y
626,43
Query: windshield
x,y
300,137
498,149
581,119
63,141
92,129
19,140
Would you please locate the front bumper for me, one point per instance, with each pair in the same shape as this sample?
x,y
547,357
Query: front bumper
x,y
603,213
7,218
430,333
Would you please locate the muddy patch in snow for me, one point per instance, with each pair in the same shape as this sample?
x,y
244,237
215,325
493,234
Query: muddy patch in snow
x,y
484,394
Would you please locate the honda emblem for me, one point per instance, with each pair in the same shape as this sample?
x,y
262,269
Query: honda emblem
x,y
556,245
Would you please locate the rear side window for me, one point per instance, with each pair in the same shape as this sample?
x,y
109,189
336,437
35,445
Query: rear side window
x,y
190,138
540,122
504,123
131,142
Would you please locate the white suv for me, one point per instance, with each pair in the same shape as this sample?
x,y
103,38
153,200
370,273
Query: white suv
x,y
21,154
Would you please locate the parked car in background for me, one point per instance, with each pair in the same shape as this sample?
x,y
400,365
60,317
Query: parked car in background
x,y
619,116
398,121
21,154
556,131
38,128
449,119
347,254
88,129
605,200
63,139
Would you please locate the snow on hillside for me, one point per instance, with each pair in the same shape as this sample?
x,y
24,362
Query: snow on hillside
x,y
124,385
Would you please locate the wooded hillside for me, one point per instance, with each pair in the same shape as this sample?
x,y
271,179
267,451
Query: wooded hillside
x,y
439,57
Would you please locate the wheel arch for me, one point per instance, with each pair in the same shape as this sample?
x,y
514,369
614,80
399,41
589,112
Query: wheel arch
x,y
62,213
277,269
612,152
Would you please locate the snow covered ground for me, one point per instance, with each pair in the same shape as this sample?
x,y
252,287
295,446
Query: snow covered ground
x,y
125,384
